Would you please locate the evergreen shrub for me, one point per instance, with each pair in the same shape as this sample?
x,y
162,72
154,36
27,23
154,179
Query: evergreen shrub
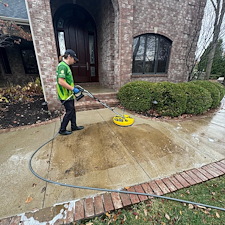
x,y
221,89
136,95
171,99
215,93
198,98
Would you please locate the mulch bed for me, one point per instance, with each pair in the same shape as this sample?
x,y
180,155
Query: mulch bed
x,y
20,113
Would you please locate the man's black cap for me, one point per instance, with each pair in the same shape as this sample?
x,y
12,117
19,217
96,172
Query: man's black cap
x,y
72,54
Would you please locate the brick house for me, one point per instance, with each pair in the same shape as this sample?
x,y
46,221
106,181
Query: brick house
x,y
17,62
117,41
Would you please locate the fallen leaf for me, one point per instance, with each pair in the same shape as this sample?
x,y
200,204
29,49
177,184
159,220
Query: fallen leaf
x,y
206,212
29,199
217,215
43,189
190,206
127,188
167,216
89,223
107,214
201,207
34,185
145,212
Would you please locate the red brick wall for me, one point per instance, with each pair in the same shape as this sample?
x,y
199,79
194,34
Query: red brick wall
x,y
118,22
45,47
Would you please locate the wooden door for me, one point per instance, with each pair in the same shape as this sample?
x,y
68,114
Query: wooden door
x,y
75,29
78,38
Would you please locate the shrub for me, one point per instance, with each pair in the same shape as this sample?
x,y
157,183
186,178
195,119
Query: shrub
x,y
170,98
215,93
136,95
23,94
198,98
221,89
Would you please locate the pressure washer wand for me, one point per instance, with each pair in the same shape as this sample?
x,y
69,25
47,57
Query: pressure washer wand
x,y
103,103
120,120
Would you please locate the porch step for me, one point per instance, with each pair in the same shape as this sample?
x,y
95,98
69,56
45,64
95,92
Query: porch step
x,y
88,103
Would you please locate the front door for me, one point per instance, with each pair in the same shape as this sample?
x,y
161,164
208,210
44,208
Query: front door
x,y
78,31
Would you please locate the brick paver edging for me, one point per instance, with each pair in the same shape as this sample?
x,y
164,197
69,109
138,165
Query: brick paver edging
x,y
99,204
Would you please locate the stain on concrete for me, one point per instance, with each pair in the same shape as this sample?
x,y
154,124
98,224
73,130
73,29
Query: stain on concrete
x,y
102,146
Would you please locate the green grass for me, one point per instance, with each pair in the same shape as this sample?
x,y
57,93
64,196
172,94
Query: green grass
x,y
163,212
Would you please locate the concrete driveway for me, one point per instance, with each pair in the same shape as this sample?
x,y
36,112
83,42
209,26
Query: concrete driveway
x,y
102,155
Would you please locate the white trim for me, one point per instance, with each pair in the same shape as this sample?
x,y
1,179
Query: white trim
x,y
16,20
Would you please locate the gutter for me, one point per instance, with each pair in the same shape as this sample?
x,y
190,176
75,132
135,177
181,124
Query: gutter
x,y
18,21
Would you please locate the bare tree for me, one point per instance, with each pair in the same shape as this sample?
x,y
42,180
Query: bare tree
x,y
219,10
11,33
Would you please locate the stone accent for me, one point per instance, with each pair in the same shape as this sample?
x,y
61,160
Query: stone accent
x,y
117,23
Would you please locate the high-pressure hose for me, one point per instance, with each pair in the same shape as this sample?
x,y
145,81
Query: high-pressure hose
x,y
110,190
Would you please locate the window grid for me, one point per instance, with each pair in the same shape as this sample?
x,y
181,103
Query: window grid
x,y
155,58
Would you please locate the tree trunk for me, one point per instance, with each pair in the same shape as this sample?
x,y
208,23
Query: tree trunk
x,y
219,11
210,61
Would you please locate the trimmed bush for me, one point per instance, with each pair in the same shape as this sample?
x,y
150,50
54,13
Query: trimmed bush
x,y
215,93
170,98
221,89
136,95
198,98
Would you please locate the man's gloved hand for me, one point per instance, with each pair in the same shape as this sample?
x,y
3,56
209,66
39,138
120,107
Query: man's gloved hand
x,y
76,90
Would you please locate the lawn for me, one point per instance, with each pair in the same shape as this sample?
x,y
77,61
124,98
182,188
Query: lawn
x,y
160,211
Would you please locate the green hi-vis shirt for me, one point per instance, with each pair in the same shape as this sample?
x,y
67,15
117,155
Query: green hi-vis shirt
x,y
64,71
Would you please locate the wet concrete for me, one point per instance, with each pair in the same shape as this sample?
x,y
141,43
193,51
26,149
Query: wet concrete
x,y
102,155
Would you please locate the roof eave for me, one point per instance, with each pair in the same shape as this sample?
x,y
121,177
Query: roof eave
x,y
18,21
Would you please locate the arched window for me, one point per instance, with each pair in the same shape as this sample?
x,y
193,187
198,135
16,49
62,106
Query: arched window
x,y
151,54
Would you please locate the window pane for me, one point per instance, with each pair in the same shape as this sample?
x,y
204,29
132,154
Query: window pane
x,y
29,60
150,54
163,54
5,61
138,54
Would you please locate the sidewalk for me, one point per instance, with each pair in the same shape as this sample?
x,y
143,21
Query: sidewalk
x,y
103,155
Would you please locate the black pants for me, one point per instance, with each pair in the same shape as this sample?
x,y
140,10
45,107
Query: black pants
x,y
69,116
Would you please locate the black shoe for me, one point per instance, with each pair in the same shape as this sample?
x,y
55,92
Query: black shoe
x,y
77,128
65,132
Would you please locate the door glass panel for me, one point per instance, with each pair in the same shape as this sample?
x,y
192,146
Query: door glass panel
x,y
91,49
92,71
62,46
60,23
150,54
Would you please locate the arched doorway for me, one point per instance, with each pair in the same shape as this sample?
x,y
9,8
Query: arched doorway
x,y
75,29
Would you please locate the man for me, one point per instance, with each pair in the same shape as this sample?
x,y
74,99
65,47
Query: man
x,y
65,88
